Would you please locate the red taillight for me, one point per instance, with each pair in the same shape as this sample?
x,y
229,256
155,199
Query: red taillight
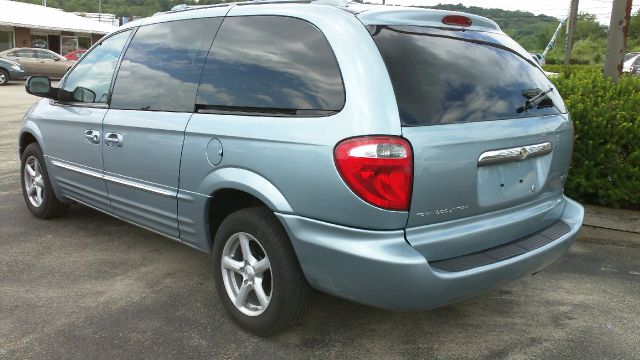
x,y
457,20
379,169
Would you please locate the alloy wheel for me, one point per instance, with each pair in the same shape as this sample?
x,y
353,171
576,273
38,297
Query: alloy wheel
x,y
33,181
246,273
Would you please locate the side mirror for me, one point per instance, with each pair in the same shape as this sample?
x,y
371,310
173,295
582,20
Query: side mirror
x,y
84,95
39,86
56,59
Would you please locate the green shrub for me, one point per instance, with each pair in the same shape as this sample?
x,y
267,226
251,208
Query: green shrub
x,y
606,115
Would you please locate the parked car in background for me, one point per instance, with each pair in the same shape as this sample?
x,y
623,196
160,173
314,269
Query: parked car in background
x,y
10,70
631,64
538,58
75,55
39,61
630,55
380,154
635,67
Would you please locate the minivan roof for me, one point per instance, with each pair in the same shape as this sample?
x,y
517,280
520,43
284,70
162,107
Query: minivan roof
x,y
368,14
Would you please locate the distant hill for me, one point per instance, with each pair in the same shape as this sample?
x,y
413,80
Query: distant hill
x,y
533,32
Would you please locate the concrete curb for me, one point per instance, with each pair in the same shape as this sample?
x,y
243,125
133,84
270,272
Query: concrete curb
x,y
610,226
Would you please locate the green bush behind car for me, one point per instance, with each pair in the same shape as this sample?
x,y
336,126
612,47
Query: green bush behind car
x,y
606,115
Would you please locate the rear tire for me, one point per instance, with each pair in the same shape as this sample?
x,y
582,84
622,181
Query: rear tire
x,y
36,186
4,77
284,295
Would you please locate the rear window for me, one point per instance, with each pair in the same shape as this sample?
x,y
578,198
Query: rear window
x,y
629,56
444,77
44,55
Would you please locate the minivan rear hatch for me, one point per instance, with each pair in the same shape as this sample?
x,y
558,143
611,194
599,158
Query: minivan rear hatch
x,y
488,129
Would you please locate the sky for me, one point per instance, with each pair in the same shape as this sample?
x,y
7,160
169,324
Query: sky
x,y
556,8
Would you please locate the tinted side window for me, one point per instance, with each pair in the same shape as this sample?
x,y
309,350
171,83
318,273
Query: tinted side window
x,y
162,66
95,71
271,63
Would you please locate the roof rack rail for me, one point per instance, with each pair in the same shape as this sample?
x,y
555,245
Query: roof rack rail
x,y
185,7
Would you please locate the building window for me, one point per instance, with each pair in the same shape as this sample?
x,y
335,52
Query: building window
x,y
84,42
40,41
6,40
68,44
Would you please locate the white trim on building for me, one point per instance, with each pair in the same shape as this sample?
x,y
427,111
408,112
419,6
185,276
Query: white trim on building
x,y
48,19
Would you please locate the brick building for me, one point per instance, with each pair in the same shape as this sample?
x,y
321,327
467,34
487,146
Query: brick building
x,y
29,25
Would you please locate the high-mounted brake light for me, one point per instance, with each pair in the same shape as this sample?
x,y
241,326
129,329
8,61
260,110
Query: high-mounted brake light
x,y
379,169
457,20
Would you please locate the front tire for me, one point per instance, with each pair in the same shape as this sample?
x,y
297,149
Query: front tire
x,y
257,274
36,186
4,77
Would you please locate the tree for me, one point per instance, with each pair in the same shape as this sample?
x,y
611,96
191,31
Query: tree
x,y
633,39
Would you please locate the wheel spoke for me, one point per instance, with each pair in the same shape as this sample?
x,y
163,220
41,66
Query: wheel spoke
x,y
30,170
241,298
260,294
40,181
246,249
262,266
37,169
38,194
232,264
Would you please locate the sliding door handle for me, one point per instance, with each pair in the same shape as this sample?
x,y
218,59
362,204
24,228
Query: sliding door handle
x,y
113,139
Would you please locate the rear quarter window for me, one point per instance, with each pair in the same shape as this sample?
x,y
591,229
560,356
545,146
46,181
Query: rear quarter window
x,y
441,77
45,55
272,65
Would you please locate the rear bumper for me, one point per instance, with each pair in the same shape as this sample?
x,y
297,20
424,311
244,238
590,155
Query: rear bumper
x,y
381,269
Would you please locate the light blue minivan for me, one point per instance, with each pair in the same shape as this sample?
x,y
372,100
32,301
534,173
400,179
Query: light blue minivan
x,y
398,157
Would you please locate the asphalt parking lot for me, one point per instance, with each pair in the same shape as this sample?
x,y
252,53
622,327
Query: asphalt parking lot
x,y
89,286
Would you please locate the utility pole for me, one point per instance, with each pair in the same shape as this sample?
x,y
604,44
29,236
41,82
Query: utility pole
x,y
617,41
571,29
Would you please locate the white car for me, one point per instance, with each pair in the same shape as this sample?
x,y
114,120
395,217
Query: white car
x,y
631,61
538,58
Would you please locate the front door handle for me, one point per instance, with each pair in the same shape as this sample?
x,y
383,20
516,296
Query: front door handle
x,y
92,136
113,139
